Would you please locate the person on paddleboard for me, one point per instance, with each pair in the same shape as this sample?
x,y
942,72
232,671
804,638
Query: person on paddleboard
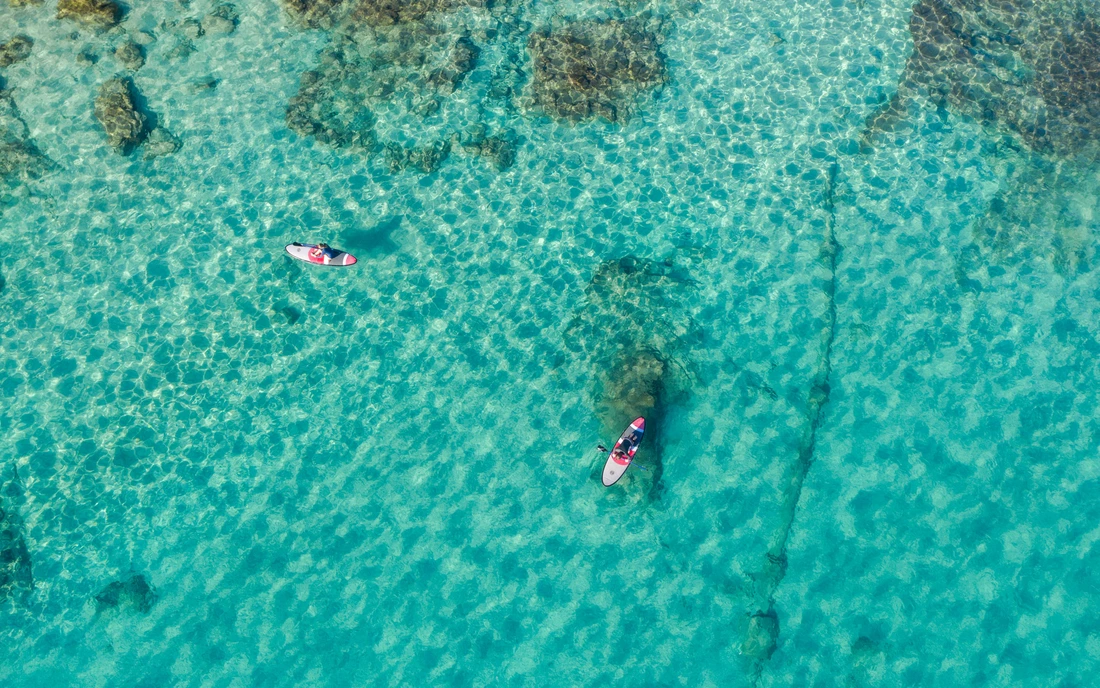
x,y
322,250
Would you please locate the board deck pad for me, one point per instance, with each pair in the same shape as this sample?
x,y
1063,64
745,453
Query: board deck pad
x,y
304,252
619,460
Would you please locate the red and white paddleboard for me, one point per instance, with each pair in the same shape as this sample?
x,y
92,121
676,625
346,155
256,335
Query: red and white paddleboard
x,y
311,254
623,453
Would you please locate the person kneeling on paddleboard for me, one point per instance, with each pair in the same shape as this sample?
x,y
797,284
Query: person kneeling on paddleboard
x,y
322,250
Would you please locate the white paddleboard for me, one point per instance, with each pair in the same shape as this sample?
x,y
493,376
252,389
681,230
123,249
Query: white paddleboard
x,y
623,452
311,254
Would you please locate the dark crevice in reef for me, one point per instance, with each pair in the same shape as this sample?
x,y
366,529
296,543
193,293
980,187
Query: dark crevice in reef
x,y
16,579
631,333
763,629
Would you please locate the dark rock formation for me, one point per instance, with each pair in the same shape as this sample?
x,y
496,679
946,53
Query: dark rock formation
x,y
222,21
761,637
369,66
390,12
20,159
463,59
594,69
135,594
425,159
188,27
130,55
126,127
1030,67
202,84
315,14
24,3
15,50
330,111
630,331
16,579
99,14
499,148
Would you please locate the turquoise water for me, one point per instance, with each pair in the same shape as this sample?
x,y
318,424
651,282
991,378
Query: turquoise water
x,y
876,456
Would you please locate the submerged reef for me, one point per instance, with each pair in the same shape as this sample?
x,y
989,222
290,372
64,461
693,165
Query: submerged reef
x,y
222,21
20,159
590,69
16,579
130,55
499,148
24,3
99,14
314,14
327,14
381,57
134,593
630,332
17,49
126,127
1030,67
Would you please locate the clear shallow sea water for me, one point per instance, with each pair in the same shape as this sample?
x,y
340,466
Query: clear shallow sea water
x,y
383,475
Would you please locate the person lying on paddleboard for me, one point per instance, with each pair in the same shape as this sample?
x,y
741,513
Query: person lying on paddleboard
x,y
322,250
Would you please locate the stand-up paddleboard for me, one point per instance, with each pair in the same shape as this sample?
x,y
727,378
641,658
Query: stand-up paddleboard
x,y
623,453
311,254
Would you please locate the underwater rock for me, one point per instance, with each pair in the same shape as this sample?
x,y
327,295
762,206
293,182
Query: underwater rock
x,y
200,85
183,48
499,149
16,579
391,12
591,68
160,142
314,14
463,59
762,636
330,114
189,28
222,21
630,332
1030,67
100,14
86,58
366,67
131,55
425,159
124,125
15,50
134,593
24,3
20,159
